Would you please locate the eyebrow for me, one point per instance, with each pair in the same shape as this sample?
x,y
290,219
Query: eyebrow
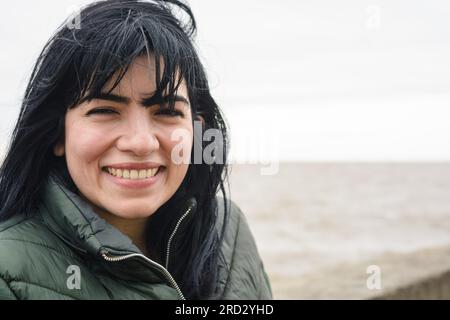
x,y
147,102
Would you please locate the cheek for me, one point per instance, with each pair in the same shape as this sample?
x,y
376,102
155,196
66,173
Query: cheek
x,y
177,146
84,144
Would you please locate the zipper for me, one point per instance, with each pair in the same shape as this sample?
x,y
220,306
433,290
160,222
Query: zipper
x,y
108,257
111,258
173,234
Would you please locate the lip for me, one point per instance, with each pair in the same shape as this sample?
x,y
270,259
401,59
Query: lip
x,y
134,165
135,184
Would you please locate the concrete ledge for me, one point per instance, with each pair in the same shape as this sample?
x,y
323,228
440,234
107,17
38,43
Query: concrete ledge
x,y
423,274
435,287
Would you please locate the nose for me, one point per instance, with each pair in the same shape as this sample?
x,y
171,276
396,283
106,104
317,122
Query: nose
x,y
138,136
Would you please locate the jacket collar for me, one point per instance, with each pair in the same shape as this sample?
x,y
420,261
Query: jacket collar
x,y
74,220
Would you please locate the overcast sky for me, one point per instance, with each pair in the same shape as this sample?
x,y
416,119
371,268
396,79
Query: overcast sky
x,y
318,80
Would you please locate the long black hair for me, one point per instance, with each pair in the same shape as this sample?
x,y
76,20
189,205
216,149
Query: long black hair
x,y
77,62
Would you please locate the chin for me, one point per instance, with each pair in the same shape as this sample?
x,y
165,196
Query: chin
x,y
135,213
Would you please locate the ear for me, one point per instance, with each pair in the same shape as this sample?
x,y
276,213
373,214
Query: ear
x,y
58,150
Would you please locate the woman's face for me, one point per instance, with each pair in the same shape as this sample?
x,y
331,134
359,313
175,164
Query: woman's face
x,y
119,154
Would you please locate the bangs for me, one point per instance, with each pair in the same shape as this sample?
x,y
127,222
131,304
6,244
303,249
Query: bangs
x,y
107,45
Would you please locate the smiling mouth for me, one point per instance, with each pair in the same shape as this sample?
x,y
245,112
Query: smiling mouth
x,y
133,174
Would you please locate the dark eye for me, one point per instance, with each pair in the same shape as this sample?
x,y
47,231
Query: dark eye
x,y
104,111
169,112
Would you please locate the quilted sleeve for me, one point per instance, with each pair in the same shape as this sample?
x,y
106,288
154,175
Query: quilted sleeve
x,y
5,291
247,278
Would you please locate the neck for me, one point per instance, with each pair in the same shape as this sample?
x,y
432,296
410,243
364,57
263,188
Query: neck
x,y
132,228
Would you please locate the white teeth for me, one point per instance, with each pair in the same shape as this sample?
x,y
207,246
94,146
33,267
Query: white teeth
x,y
142,174
133,174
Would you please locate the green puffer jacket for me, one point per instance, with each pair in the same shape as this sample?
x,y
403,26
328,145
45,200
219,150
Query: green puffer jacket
x,y
66,251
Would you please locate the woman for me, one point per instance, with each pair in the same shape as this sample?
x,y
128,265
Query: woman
x,y
100,195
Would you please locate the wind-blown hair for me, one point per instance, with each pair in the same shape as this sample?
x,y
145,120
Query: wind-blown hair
x,y
75,64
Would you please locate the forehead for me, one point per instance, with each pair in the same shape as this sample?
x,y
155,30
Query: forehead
x,y
140,78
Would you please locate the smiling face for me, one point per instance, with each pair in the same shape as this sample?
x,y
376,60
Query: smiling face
x,y
119,153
